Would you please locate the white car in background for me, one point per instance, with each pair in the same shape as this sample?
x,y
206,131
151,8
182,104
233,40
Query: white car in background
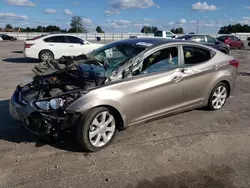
x,y
54,46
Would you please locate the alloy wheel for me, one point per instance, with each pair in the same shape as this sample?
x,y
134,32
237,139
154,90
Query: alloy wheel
x,y
46,56
219,97
102,129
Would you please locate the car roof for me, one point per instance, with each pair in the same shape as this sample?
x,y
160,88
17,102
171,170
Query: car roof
x,y
61,34
150,41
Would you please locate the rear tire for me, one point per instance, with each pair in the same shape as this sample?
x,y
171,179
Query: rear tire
x,y
97,129
45,55
242,46
218,96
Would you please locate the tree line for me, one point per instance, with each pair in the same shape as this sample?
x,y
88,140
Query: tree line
x,y
76,26
153,29
237,28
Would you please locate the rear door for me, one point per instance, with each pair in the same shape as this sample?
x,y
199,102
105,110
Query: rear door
x,y
197,72
233,41
57,44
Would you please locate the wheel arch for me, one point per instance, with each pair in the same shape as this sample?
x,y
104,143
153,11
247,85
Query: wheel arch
x,y
228,86
116,113
45,50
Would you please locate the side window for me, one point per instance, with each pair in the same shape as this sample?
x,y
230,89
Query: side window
x,y
236,38
198,39
211,39
56,39
158,34
233,38
74,40
162,60
195,55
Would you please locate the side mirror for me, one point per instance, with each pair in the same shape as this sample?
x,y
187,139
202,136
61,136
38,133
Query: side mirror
x,y
217,42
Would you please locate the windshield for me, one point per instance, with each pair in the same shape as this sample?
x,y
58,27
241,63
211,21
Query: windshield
x,y
115,55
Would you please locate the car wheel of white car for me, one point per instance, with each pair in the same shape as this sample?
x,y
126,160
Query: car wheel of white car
x,y
218,96
97,129
46,55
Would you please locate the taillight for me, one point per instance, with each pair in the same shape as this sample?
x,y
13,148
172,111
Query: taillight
x,y
234,63
28,45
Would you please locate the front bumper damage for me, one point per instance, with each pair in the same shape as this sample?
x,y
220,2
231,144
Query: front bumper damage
x,y
38,122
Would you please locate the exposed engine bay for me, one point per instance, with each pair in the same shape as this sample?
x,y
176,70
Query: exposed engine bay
x,y
56,77
56,84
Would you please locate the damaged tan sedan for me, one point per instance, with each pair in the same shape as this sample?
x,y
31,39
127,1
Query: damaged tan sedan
x,y
123,83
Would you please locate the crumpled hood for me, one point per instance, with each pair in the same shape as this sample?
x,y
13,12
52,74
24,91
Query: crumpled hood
x,y
63,64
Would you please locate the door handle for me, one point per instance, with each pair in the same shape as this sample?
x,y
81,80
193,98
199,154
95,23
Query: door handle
x,y
71,46
51,45
177,78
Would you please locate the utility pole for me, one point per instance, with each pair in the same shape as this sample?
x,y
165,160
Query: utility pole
x,y
198,22
197,31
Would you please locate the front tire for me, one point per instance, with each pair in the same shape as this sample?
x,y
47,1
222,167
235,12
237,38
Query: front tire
x,y
97,129
218,96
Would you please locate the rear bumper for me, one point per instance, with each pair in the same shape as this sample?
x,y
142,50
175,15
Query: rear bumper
x,y
29,54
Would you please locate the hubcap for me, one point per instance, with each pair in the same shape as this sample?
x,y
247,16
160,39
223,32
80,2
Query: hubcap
x,y
102,129
219,97
46,56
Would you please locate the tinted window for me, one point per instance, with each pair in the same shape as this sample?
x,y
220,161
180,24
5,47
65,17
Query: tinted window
x,y
233,38
194,55
74,40
222,38
198,39
210,39
162,60
158,34
56,39
184,37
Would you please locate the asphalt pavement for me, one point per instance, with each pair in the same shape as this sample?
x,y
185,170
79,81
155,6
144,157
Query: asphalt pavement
x,y
195,149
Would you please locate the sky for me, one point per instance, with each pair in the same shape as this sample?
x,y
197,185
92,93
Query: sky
x,y
127,16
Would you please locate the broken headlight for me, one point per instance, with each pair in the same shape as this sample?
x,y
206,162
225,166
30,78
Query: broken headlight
x,y
54,104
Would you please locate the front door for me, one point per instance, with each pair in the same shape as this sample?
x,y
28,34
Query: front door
x,y
158,89
77,46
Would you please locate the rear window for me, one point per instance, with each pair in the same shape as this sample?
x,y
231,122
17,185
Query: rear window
x,y
158,34
56,39
75,40
194,55
198,39
222,38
